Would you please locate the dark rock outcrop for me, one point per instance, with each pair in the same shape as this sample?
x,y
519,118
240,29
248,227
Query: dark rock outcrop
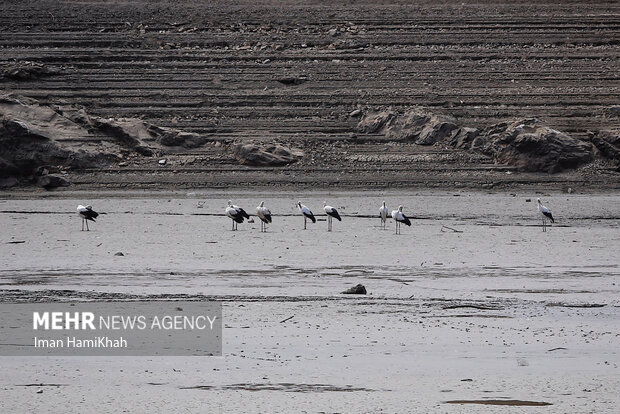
x,y
267,155
527,144
33,135
169,137
22,71
415,125
8,182
50,182
532,146
132,132
376,122
607,142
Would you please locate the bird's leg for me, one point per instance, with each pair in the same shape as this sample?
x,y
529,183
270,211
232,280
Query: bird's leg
x,y
329,223
87,229
82,224
304,222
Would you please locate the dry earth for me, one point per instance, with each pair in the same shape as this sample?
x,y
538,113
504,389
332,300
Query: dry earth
x,y
293,72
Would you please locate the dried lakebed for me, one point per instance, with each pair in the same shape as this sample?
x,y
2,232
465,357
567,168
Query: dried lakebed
x,y
499,314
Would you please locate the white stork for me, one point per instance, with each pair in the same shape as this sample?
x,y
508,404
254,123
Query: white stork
x,y
306,212
264,215
546,214
400,217
383,213
331,212
86,213
236,213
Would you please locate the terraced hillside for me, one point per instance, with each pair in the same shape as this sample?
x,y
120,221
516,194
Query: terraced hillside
x,y
294,71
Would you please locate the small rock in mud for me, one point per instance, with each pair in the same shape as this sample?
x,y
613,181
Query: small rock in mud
x,y
292,81
356,290
119,254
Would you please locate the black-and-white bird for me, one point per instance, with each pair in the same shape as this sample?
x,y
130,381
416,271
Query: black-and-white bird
x,y
546,214
400,217
236,213
331,213
383,214
264,215
306,213
86,213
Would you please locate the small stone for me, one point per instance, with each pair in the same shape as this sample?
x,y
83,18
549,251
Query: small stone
x,y
163,161
119,254
356,290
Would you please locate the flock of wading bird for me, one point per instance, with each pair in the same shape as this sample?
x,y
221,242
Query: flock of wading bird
x,y
238,215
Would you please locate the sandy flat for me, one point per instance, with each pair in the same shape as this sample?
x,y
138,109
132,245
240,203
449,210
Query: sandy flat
x,y
499,311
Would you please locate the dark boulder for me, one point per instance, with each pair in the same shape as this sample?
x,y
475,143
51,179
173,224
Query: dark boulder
x,y
174,138
532,146
292,81
527,144
607,142
265,155
356,290
376,122
463,137
414,125
50,182
23,71
8,182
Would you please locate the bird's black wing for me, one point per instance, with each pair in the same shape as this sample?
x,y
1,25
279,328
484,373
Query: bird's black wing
x,y
238,218
310,216
334,214
267,218
549,216
243,213
90,214
406,220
